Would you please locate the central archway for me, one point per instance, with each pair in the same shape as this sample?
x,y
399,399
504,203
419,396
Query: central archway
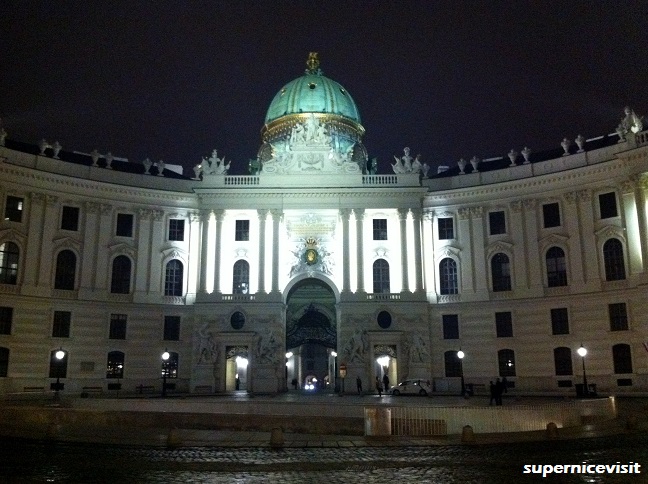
x,y
311,335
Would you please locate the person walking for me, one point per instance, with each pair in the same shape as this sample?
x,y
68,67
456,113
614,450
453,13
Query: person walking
x,y
499,389
492,393
379,387
386,383
359,384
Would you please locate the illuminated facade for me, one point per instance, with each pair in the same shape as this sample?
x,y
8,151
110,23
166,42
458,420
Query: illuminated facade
x,y
314,261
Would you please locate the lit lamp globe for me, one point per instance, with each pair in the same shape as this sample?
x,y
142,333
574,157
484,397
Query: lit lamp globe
x,y
582,351
60,354
460,354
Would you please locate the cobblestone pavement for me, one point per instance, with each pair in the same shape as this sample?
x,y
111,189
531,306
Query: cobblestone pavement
x,y
24,461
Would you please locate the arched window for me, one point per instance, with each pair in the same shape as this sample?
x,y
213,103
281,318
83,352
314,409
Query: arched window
x,y
241,277
173,278
65,270
452,364
556,267
501,272
448,276
506,361
115,365
563,361
4,362
9,254
381,276
613,258
622,358
121,275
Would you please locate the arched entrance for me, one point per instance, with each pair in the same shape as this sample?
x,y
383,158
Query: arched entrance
x,y
311,336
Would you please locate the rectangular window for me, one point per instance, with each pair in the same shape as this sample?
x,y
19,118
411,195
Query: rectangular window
x,y
176,229
608,205
618,317
6,316
551,215
380,229
504,325
242,230
497,223
70,218
14,209
124,225
450,326
171,328
559,321
61,326
118,326
446,228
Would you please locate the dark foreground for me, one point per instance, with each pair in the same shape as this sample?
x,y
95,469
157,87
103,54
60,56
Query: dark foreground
x,y
30,461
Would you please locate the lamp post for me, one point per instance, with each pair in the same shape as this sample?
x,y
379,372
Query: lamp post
x,y
335,376
582,351
460,355
165,361
59,355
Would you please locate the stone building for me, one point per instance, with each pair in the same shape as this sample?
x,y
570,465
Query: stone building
x,y
314,262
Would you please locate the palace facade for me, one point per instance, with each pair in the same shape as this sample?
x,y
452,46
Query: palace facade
x,y
314,263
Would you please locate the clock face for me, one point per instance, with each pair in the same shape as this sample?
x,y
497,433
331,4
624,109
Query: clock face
x,y
311,256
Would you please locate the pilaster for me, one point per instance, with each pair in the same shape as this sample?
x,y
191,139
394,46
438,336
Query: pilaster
x,y
402,219
360,217
345,214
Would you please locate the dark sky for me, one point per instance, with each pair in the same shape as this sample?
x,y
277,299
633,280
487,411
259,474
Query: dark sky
x,y
174,80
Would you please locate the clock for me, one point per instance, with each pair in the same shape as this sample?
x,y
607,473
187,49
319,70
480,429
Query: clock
x,y
311,256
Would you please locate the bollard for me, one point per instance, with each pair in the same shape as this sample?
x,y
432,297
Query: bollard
x,y
552,430
173,438
467,434
276,438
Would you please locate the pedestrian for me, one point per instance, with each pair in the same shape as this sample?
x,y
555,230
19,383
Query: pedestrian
x,y
378,387
492,393
505,384
386,383
498,392
359,384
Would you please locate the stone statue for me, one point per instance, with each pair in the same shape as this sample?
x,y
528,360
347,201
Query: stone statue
x,y
373,166
160,166
56,147
474,161
526,152
254,166
297,134
311,128
565,146
109,160
147,166
631,123
357,347
418,352
416,164
197,169
3,136
398,166
215,165
407,160
512,156
208,351
580,142
462,166
94,155
425,169
268,347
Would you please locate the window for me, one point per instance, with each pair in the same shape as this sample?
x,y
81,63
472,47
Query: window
x,y
608,205
563,361
115,365
121,275
58,368
450,326
556,267
506,361
237,320
170,366
384,319
176,229
380,229
61,325
504,325
497,223
14,209
172,328
173,278
559,321
446,228
448,276
501,272
241,277
118,326
4,362
9,255
381,276
70,218
622,358
242,230
551,215
618,317
613,259
124,225
65,270
452,364
6,317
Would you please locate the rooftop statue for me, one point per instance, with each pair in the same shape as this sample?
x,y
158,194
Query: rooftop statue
x,y
215,165
404,164
631,123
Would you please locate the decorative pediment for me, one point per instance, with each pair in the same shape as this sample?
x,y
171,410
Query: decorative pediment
x,y
66,242
381,252
610,231
174,253
553,239
499,246
240,253
122,248
448,251
12,235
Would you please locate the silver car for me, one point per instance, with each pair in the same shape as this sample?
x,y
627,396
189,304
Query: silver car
x,y
412,387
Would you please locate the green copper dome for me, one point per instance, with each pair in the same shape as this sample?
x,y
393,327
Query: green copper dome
x,y
312,93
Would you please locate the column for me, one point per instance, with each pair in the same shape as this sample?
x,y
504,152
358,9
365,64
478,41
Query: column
x,y
158,273
402,218
49,226
464,236
575,256
592,271
144,261
105,232
428,252
360,216
194,256
205,216
263,214
632,226
218,216
516,231
276,217
345,214
643,223
418,245
530,216
30,258
477,241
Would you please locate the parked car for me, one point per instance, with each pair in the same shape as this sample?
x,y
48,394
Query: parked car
x,y
412,387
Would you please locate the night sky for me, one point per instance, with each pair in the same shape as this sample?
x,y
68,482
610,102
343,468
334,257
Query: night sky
x,y
174,80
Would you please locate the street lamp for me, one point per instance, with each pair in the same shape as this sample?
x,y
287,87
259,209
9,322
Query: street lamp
x,y
335,376
460,355
582,351
165,367
59,355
